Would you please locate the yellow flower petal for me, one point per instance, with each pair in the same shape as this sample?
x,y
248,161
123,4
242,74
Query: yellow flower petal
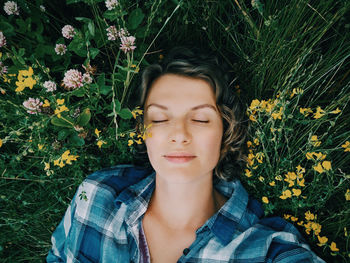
x,y
326,165
0,142
333,247
347,195
296,192
318,168
97,132
336,111
265,200
60,101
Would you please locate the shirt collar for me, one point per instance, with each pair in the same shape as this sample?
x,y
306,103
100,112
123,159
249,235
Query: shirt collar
x,y
232,216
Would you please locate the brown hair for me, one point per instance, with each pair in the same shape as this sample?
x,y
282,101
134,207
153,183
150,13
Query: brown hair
x,y
192,63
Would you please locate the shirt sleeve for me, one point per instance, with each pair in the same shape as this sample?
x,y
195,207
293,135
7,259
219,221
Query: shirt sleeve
x,y
60,236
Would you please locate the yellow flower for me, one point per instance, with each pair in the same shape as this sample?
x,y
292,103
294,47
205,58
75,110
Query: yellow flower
x,y
40,146
259,157
136,112
286,194
265,200
322,241
272,183
278,178
309,216
319,113
60,109
132,134
97,132
277,115
316,227
261,179
100,143
252,117
318,168
60,101
65,155
326,165
334,247
301,182
248,173
294,219
138,141
336,111
286,216
254,104
347,195
46,103
346,146
300,169
320,156
296,192
0,142
256,141
309,155
47,166
314,141
130,142
305,111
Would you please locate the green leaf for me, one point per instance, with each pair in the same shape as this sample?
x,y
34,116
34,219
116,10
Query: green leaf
x,y
75,140
91,27
117,105
125,114
7,28
101,80
79,92
62,134
135,18
84,19
84,117
62,122
105,89
94,52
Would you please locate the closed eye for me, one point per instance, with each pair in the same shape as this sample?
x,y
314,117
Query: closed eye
x,y
159,121
201,121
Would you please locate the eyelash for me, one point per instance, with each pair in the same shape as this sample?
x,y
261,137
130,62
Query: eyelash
x,y
193,120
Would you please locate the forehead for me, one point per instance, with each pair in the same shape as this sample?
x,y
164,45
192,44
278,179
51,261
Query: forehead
x,y
172,89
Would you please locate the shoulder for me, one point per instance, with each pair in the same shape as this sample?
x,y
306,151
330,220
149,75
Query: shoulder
x,y
97,193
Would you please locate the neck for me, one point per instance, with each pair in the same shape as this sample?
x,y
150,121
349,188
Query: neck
x,y
185,205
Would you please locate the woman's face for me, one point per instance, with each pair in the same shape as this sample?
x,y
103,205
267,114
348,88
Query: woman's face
x,y
186,128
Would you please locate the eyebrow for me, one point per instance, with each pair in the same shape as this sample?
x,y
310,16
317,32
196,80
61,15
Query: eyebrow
x,y
192,109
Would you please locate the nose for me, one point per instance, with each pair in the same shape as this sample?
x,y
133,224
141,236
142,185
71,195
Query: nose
x,y
180,133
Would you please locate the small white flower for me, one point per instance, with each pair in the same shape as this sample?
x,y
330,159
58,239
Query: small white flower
x,y
2,40
11,8
87,78
50,86
112,33
3,68
68,31
42,8
32,105
127,44
123,33
111,4
60,49
73,79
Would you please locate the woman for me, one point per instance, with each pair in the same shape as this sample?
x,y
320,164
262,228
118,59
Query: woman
x,y
188,205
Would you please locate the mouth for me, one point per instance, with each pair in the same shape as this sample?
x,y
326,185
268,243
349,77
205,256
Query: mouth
x,y
179,157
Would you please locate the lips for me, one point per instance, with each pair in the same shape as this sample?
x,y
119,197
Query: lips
x,y
179,157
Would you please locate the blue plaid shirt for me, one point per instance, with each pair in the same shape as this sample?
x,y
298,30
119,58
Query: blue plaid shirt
x,y
105,226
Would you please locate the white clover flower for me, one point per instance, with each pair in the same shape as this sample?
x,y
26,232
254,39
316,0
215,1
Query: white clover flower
x,y
42,8
87,78
50,86
60,49
73,79
123,33
68,31
112,33
32,105
127,44
3,68
2,40
111,4
11,8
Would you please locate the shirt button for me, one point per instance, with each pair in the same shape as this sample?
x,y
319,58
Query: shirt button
x,y
186,250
